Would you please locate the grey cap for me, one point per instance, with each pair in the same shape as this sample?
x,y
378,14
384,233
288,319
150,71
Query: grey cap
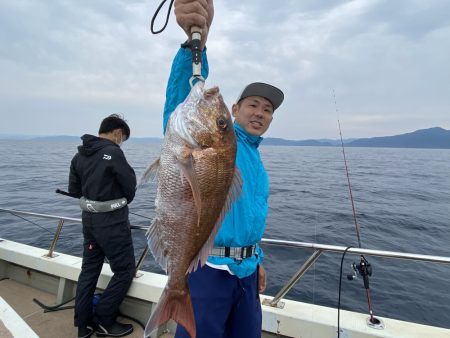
x,y
271,93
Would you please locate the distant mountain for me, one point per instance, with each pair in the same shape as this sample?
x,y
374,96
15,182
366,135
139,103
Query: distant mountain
x,y
270,141
336,142
16,137
152,140
155,140
56,138
433,138
437,138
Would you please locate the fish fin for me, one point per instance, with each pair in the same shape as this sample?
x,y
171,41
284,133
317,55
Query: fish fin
x,y
156,245
233,194
150,174
175,305
186,165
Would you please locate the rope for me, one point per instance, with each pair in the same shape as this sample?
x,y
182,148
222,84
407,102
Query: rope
x,y
59,307
340,288
156,14
31,222
133,213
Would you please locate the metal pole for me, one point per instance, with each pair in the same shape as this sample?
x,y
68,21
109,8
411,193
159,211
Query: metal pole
x,y
284,243
27,213
55,239
141,260
368,252
68,219
294,279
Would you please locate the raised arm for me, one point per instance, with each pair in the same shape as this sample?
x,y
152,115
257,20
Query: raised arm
x,y
189,13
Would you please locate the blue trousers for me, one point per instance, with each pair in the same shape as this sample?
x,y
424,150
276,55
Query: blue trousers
x,y
224,305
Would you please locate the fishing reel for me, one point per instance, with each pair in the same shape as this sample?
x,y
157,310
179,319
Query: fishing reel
x,y
364,269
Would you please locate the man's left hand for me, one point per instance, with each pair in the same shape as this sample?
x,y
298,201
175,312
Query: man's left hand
x,y
261,279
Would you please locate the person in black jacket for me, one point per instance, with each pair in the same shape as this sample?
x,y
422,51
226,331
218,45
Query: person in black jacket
x,y
100,175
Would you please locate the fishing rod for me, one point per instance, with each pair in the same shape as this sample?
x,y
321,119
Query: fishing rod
x,y
364,268
348,183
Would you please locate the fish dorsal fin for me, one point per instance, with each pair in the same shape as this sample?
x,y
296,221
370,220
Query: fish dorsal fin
x,y
150,174
186,164
233,194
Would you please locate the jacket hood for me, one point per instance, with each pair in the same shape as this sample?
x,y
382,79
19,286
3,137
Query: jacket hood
x,y
92,144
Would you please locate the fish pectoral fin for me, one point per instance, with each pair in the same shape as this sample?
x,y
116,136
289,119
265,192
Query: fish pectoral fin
x,y
233,194
150,174
186,165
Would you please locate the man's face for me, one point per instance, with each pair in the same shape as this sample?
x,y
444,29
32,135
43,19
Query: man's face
x,y
254,114
118,136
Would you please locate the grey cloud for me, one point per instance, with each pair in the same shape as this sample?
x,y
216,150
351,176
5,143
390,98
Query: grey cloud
x,y
386,60
413,19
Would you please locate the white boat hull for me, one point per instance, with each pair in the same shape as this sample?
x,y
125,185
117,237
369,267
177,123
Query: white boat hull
x,y
59,274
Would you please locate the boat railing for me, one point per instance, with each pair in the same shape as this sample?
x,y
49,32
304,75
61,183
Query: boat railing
x,y
318,249
61,220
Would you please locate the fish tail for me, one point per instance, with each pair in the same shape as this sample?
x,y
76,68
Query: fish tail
x,y
176,305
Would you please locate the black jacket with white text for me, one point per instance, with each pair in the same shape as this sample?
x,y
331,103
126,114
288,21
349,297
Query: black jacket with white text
x,y
100,172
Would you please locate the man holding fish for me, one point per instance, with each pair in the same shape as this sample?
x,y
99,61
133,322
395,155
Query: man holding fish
x,y
222,268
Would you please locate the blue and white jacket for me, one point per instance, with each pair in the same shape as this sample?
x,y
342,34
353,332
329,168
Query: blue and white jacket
x,y
244,224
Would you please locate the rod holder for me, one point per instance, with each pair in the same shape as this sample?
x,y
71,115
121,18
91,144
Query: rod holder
x,y
139,263
55,239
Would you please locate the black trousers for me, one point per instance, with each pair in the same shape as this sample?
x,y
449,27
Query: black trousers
x,y
114,242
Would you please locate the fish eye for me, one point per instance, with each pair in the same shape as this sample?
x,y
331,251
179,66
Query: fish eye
x,y
222,123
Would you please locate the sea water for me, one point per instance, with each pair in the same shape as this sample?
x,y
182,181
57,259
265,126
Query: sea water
x,y
402,200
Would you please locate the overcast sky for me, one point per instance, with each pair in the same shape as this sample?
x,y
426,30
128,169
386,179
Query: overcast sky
x,y
65,65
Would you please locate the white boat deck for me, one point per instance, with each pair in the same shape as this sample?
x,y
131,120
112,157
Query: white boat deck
x,y
11,324
45,324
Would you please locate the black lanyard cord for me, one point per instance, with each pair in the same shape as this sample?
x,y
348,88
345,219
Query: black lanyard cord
x,y
156,14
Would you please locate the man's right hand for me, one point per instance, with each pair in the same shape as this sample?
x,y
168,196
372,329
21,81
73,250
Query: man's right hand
x,y
190,13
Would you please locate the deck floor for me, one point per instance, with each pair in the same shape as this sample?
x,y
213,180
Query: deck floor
x,y
47,324
50,324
